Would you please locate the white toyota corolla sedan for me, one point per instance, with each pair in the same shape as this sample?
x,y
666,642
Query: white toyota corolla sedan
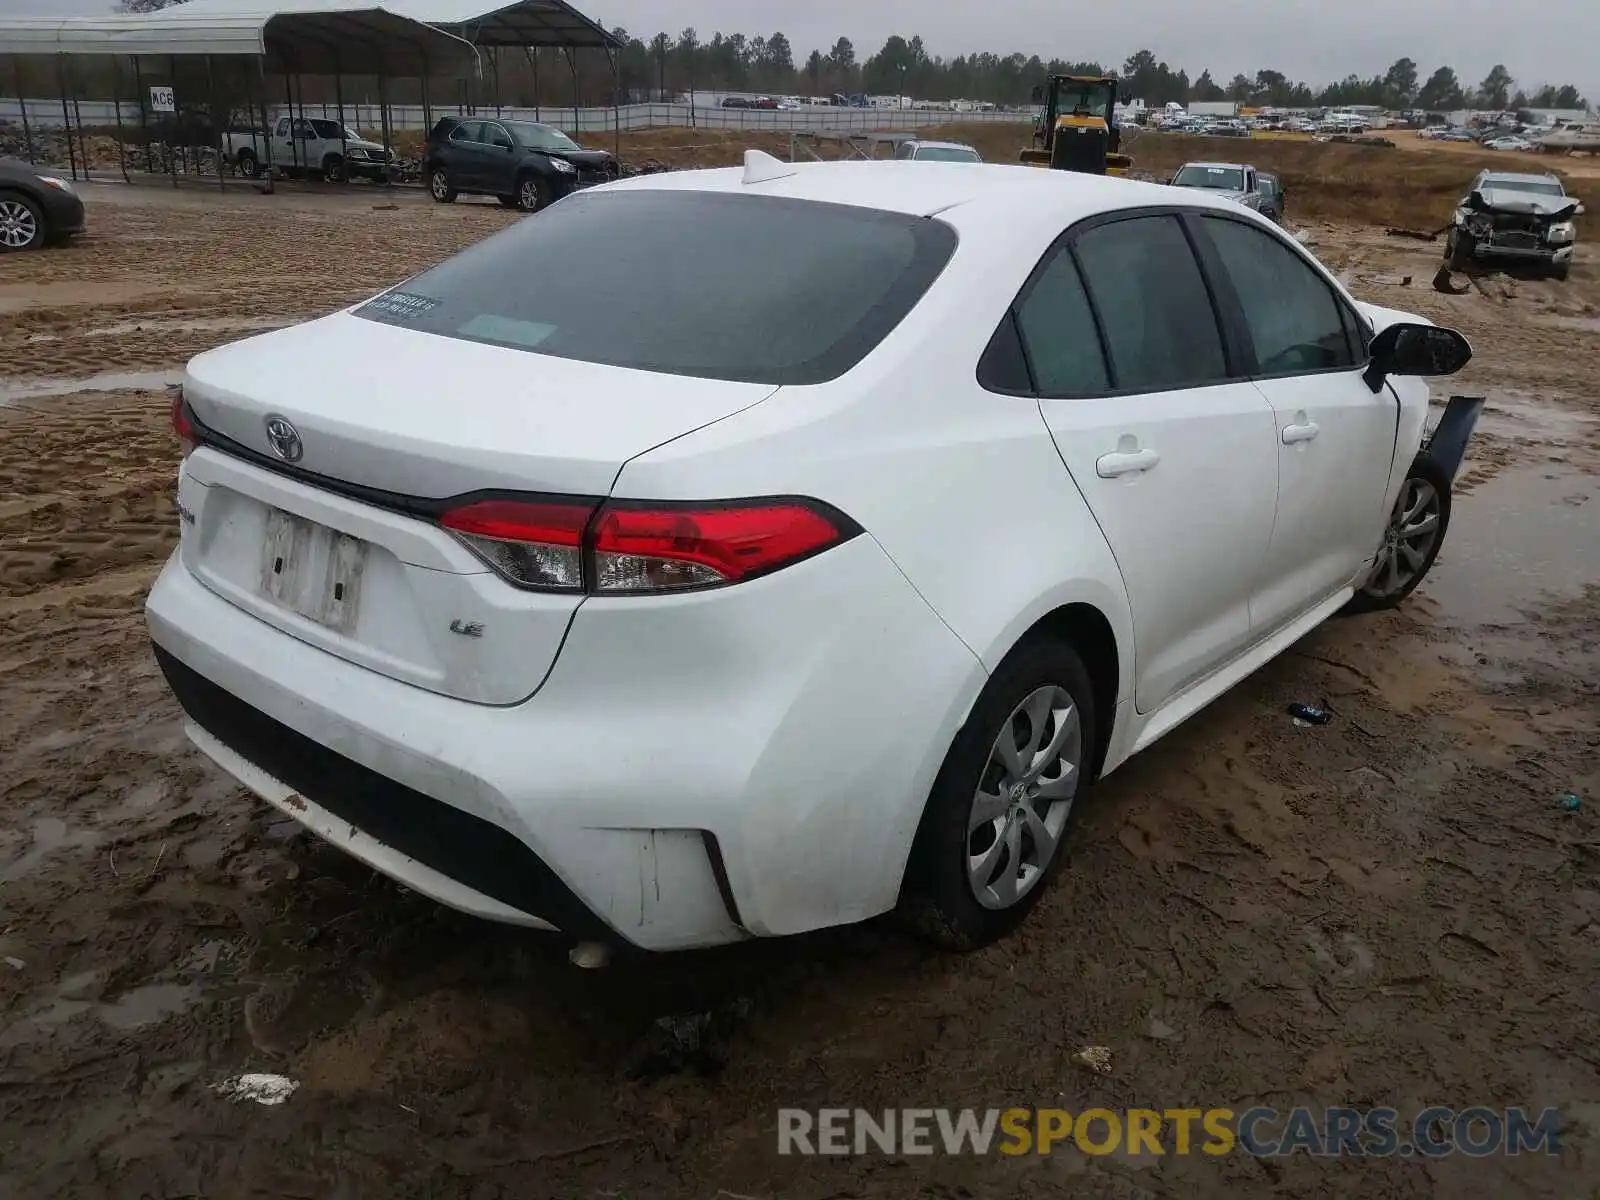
x,y
734,553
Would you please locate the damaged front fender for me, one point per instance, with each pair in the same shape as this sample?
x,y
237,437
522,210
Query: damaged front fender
x,y
1447,444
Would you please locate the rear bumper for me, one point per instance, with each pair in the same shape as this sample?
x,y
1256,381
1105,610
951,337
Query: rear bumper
x,y
696,770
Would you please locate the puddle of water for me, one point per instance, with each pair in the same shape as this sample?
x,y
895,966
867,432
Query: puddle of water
x,y
145,381
1521,538
157,325
148,1005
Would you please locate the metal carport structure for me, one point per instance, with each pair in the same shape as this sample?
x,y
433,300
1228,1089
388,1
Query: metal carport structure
x,y
526,24
287,37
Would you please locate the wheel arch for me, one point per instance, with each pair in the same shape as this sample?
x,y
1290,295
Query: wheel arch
x,y
1087,630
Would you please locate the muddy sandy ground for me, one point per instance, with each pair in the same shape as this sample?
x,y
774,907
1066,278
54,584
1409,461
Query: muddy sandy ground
x,y
1392,909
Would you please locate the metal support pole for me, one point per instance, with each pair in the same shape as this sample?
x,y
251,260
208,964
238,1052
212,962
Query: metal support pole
x,y
297,125
77,116
383,114
260,91
217,123
494,71
27,129
66,117
116,105
572,65
144,119
616,105
427,108
288,95
177,124
344,141
533,66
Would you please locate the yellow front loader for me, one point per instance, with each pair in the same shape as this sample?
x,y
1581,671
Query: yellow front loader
x,y
1078,131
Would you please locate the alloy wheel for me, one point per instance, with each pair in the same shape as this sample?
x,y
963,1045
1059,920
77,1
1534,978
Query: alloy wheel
x,y
18,225
440,185
1023,798
529,195
1408,543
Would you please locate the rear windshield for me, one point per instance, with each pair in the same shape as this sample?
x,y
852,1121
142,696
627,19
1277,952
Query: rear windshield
x,y
946,154
716,285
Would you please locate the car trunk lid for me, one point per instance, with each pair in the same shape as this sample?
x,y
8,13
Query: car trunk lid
x,y
341,547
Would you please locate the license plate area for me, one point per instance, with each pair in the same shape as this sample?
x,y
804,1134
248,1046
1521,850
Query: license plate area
x,y
313,570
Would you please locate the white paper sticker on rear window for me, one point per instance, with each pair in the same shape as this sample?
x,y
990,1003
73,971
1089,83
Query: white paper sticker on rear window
x,y
403,305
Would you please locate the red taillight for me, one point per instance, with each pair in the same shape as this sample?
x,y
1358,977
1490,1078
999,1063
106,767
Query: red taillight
x,y
661,548
183,423
627,547
532,543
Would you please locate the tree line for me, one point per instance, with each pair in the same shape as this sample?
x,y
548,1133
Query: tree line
x,y
903,66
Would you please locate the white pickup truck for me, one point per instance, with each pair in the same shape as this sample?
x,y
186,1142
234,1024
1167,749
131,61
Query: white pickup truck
x,y
309,146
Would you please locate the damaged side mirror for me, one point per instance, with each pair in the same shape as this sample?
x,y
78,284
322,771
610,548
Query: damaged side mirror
x,y
1412,349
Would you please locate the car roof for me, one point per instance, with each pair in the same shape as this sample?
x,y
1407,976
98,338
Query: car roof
x,y
1225,166
974,192
920,142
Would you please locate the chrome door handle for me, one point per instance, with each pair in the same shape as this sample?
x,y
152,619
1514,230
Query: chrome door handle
x,y
1109,466
1294,434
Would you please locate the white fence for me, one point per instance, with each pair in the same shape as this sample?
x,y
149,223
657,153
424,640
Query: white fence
x,y
46,114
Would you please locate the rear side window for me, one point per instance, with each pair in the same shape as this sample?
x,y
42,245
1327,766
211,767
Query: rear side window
x,y
1161,329
1058,330
1294,321
761,289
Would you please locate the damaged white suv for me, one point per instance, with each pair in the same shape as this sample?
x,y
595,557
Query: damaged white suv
x,y
804,555
1524,220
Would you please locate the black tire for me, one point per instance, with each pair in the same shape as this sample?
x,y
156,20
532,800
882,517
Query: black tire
x,y
1377,594
249,167
22,223
507,201
1560,271
938,899
440,187
1459,250
533,193
333,168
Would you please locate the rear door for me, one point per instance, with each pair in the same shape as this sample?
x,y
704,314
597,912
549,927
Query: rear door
x,y
1173,453
1335,437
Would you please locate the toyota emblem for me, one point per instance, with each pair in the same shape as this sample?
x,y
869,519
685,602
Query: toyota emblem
x,y
283,439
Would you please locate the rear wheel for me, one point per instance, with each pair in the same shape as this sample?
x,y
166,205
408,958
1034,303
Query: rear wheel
x,y
249,167
1411,542
1459,250
440,187
22,224
991,835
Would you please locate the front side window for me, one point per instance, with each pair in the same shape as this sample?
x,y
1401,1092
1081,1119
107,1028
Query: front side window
x,y
1160,327
1058,330
1290,311
762,289
283,126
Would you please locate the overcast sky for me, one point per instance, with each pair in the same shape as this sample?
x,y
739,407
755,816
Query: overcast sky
x,y
1554,41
